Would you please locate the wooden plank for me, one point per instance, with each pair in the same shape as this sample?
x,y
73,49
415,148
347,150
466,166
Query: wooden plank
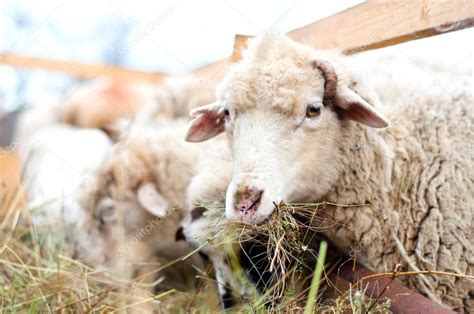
x,y
12,197
213,73
79,69
377,24
240,42
370,25
9,169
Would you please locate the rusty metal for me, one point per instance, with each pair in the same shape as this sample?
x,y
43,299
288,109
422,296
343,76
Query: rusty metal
x,y
403,300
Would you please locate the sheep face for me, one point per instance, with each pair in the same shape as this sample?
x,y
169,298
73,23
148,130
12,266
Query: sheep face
x,y
286,114
114,202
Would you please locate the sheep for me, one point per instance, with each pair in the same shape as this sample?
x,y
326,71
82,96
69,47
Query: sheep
x,y
31,119
110,106
57,162
101,103
303,129
204,225
206,229
389,69
174,98
138,202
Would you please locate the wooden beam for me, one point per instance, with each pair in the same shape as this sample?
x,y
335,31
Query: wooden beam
x,y
402,299
79,69
377,24
372,24
214,72
240,42
9,170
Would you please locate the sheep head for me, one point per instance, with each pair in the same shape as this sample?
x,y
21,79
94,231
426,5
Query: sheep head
x,y
124,190
286,109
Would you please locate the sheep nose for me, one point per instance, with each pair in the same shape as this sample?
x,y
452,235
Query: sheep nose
x,y
247,202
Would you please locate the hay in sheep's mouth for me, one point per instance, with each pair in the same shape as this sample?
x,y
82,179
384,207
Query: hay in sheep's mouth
x,y
286,245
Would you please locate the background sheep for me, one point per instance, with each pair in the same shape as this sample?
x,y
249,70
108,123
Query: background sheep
x,y
58,161
289,112
139,201
100,104
111,105
175,97
204,226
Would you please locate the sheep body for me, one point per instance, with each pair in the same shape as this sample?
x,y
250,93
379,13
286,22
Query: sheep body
x,y
423,218
175,97
416,175
102,103
57,161
138,201
204,225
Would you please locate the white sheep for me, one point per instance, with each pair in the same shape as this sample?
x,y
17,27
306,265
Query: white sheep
x,y
175,97
139,201
204,225
57,162
101,103
206,228
302,129
111,106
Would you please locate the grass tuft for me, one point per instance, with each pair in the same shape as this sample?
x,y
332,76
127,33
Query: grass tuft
x,y
318,271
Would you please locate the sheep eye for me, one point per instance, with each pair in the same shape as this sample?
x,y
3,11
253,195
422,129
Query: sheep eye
x,y
226,112
313,111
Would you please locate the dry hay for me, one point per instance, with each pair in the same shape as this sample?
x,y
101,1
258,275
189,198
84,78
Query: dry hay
x,y
289,238
36,277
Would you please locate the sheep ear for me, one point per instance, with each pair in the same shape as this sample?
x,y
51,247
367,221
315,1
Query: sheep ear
x,y
354,107
209,121
151,200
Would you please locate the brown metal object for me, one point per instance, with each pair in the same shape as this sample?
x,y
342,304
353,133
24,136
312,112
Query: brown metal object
x,y
403,299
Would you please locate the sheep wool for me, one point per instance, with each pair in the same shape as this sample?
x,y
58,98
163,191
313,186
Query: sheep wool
x,y
417,177
413,179
138,200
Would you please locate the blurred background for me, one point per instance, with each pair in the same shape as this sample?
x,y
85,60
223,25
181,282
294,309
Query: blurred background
x,y
165,36
168,36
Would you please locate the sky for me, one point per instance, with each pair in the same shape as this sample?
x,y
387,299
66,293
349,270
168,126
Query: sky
x,y
167,36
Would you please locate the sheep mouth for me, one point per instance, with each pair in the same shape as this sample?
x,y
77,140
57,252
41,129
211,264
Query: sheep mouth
x,y
247,215
255,204
253,207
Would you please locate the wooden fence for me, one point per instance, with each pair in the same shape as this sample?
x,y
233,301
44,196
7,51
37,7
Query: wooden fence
x,y
372,24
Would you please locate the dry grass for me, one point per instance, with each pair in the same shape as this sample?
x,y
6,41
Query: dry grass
x,y
40,275
290,241
288,237
37,274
